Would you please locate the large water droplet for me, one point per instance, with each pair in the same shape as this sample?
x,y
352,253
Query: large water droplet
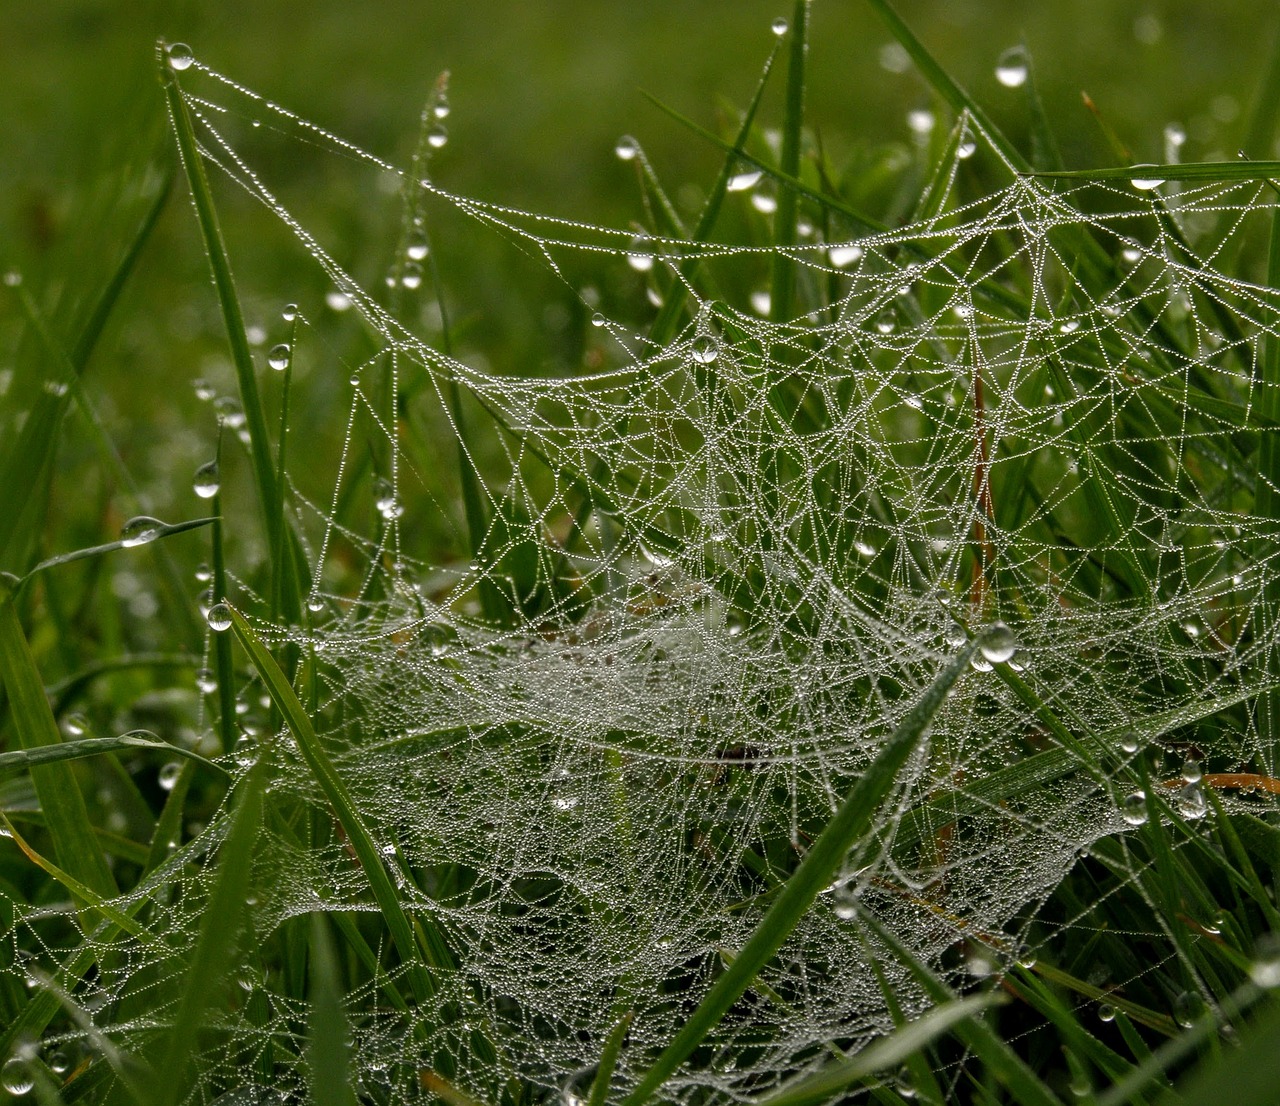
x,y
1146,184
437,136
998,643
744,179
1129,741
280,356
705,349
290,312
337,300
75,725
955,636
627,148
315,604
1265,969
219,617
1191,802
1134,808
384,498
1191,771
139,530
206,482
204,390
1011,67
779,26
180,56
1187,1007
411,277
206,682
167,777
844,256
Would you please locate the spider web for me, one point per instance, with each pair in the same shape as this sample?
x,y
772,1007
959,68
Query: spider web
x,y
718,569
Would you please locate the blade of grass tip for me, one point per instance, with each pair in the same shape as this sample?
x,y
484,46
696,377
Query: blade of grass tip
x,y
783,277
370,858
815,872
1026,1087
887,1052
327,1049
1044,147
228,297
1119,150
161,530
214,951
947,88
75,845
609,1060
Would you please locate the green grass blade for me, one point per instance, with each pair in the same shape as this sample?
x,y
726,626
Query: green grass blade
x,y
1243,1077
1209,171
1267,497
947,88
95,746
162,530
815,872
665,325
232,317
609,1060
783,277
79,890
887,1052
213,954
371,860
74,842
998,1055
328,1071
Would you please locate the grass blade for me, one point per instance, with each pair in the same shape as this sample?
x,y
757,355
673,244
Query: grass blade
x,y
783,278
74,842
371,860
327,1048
814,873
887,1052
215,946
1210,171
609,1060
95,746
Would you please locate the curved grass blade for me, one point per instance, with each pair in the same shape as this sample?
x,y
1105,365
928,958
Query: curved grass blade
x,y
95,746
609,1060
815,872
888,1051
74,842
164,530
371,860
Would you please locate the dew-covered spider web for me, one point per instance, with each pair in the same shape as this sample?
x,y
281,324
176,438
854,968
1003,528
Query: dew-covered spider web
x,y
718,566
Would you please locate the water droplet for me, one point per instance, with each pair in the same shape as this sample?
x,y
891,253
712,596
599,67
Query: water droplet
x,y
12,278
1265,969
998,643
219,617
1134,808
384,498
315,604
844,256
765,199
966,149
229,412
1107,1012
627,148
336,300
761,302
598,319
705,349
139,530
1191,802
206,482
440,109
747,178
167,777
1069,327
886,321
779,26
204,390
76,725
1187,1008
979,964
1146,184
1191,771
58,1063
864,548
180,56
290,312
1129,741
979,663
1011,67
411,277
245,752
437,136
280,356
417,247
565,802
955,635
639,257
206,682
1174,135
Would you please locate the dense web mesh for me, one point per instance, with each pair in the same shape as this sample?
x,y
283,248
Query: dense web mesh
x,y
718,570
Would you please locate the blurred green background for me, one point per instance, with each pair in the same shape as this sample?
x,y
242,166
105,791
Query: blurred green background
x,y
539,92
